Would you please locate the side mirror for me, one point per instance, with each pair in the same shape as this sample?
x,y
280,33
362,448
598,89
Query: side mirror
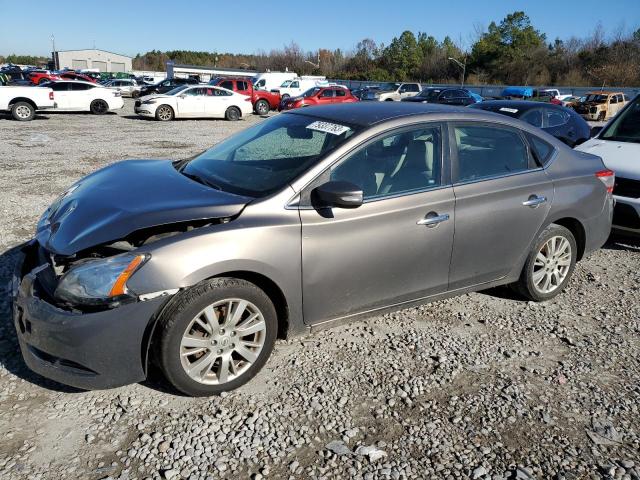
x,y
337,194
595,131
183,95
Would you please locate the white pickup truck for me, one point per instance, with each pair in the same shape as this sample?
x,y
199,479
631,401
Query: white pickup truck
x,y
22,102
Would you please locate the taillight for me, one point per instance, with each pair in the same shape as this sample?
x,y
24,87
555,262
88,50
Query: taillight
x,y
50,95
608,177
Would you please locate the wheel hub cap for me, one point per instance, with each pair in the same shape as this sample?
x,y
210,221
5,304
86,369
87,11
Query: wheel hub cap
x,y
222,341
552,264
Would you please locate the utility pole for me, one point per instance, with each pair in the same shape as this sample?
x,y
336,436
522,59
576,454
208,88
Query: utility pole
x,y
53,52
463,66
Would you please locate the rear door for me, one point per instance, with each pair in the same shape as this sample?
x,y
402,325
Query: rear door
x,y
216,101
502,199
80,96
394,248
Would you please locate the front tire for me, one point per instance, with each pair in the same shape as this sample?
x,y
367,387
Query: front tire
x,y
233,114
99,107
23,111
549,265
215,336
262,107
164,113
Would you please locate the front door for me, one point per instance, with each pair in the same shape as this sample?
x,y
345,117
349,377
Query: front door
x,y
61,95
394,248
502,199
191,102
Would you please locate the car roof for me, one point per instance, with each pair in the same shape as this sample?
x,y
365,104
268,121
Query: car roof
x,y
604,93
519,104
366,114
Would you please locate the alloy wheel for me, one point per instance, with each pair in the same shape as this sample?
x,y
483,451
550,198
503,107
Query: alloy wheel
x,y
552,264
164,113
222,341
23,112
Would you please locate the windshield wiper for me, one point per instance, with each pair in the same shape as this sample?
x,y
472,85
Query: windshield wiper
x,y
201,180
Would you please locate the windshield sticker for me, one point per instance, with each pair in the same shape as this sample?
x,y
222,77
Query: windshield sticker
x,y
510,110
332,128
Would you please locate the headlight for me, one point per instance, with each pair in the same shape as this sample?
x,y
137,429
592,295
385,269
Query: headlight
x,y
101,281
148,102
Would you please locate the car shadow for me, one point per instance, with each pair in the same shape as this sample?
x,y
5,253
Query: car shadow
x,y
38,116
10,356
619,241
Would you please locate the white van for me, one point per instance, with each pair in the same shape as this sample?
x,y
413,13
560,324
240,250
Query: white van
x,y
298,86
618,144
271,80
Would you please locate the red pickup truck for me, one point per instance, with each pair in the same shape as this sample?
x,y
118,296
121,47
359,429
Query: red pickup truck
x,y
262,100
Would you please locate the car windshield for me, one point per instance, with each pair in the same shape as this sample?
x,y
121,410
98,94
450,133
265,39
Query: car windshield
x,y
286,83
626,126
429,93
311,92
264,158
177,90
389,86
596,98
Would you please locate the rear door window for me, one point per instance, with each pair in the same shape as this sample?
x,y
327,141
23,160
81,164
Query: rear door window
x,y
533,117
486,151
228,84
542,151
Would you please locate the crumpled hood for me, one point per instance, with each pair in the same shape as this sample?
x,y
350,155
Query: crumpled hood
x,y
128,196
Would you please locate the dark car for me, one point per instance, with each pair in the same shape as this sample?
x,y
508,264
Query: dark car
x,y
351,207
366,93
561,122
445,96
15,76
167,84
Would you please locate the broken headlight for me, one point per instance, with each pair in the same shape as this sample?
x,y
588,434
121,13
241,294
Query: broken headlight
x,y
96,282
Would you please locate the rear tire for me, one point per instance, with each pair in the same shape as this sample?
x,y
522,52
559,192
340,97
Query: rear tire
x,y
164,113
284,97
201,346
262,107
549,265
43,80
99,107
23,111
233,114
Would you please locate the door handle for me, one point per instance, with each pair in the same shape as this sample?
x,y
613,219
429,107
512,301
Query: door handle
x,y
432,219
534,201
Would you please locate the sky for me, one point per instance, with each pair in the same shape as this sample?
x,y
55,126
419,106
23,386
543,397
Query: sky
x,y
130,27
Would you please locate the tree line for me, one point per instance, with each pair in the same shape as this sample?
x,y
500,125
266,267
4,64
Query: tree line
x,y
511,51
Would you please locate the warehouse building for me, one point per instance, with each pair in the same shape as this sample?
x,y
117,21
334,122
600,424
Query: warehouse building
x,y
94,59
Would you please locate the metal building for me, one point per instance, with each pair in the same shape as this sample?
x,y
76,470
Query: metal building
x,y
94,59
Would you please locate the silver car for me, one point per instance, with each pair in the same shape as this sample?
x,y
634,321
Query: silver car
x,y
127,87
311,218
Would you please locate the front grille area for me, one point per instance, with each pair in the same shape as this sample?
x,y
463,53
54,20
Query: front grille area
x,y
625,187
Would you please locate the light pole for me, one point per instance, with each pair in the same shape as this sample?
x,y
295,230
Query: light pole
x,y
463,66
53,52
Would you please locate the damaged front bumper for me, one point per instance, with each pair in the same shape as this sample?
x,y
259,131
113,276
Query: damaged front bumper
x,y
95,350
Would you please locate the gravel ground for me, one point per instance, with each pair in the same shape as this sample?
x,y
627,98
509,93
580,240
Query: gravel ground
x,y
480,386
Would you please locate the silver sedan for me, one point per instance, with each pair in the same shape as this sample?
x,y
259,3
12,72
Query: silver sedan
x,y
311,218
